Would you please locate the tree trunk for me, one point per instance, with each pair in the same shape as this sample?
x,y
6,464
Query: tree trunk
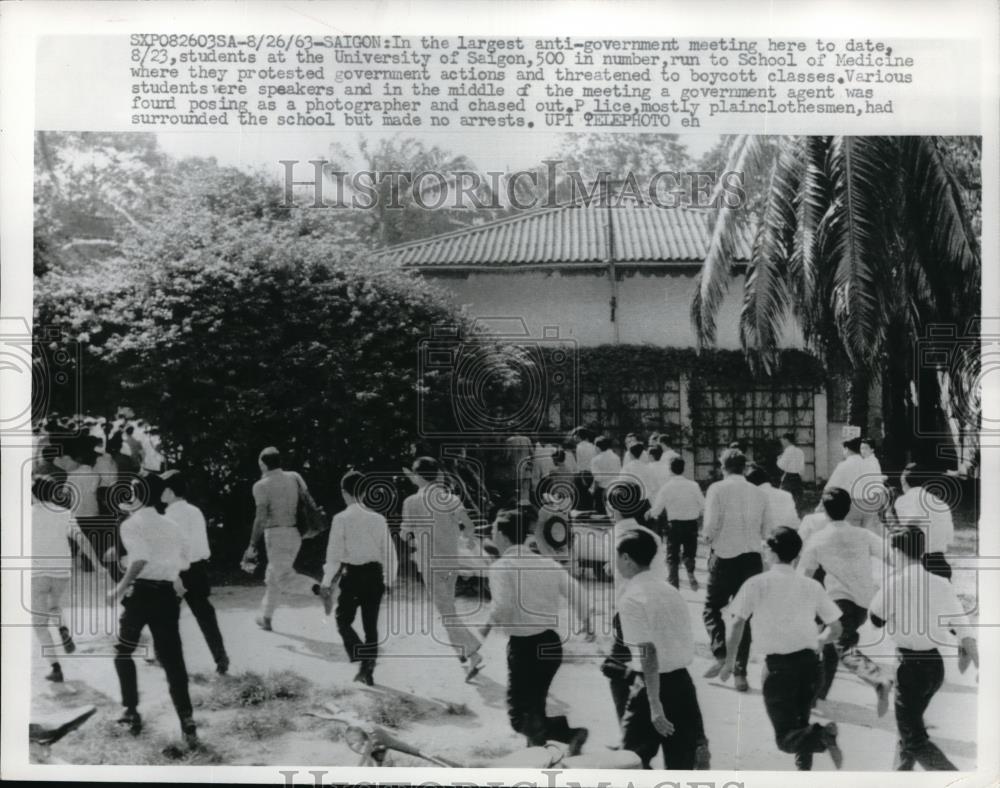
x,y
857,399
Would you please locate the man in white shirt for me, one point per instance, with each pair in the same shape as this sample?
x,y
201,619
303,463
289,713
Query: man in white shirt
x,y
151,587
734,528
585,450
792,463
627,506
680,502
634,469
655,623
659,473
853,474
668,453
197,585
919,506
433,521
531,594
52,528
605,469
361,554
779,508
919,610
845,554
785,606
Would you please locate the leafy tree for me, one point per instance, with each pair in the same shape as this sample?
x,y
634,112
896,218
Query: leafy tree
x,y
865,242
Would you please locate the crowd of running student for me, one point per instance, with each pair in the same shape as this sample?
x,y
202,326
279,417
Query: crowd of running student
x,y
819,570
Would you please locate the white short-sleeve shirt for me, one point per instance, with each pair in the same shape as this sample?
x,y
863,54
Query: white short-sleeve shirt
x,y
784,606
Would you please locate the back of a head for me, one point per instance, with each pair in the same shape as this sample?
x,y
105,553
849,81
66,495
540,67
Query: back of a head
x,y
626,498
603,443
427,468
636,450
665,440
583,434
836,503
913,475
677,466
176,482
147,490
790,437
656,452
853,445
516,524
637,545
734,461
786,544
352,483
271,458
757,475
909,540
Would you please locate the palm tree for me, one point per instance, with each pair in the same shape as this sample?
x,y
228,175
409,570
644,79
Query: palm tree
x,y
864,242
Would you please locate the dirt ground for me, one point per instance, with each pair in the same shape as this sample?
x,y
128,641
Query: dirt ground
x,y
256,716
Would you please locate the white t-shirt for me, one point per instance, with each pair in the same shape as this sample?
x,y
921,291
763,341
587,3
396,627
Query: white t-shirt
x,y
192,524
149,536
653,611
784,606
921,507
919,608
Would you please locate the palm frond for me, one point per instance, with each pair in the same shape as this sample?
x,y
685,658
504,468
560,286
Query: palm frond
x,y
748,156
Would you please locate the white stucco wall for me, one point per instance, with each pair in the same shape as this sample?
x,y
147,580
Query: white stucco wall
x,y
652,308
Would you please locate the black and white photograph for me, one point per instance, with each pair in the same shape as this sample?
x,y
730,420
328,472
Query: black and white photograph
x,y
609,445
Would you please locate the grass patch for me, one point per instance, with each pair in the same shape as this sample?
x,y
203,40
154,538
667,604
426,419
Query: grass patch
x,y
260,724
247,690
106,743
484,754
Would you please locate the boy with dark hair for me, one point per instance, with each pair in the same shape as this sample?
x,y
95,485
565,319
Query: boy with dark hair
x,y
734,529
784,605
361,554
792,463
655,623
680,503
433,520
918,505
197,584
920,611
528,591
151,587
605,468
844,552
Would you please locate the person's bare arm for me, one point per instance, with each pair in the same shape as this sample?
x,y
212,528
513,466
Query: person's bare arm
x,y
732,647
260,515
651,677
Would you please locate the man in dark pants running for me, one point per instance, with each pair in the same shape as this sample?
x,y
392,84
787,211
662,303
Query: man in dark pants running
x,y
195,578
785,605
361,554
151,587
655,623
919,610
734,529
529,594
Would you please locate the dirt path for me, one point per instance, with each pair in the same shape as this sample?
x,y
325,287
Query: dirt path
x,y
305,642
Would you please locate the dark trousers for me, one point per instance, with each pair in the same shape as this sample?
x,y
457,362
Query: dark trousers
x,y
919,676
153,604
361,586
198,588
102,533
532,663
682,538
789,684
725,576
792,482
600,505
616,669
680,703
843,652
936,564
